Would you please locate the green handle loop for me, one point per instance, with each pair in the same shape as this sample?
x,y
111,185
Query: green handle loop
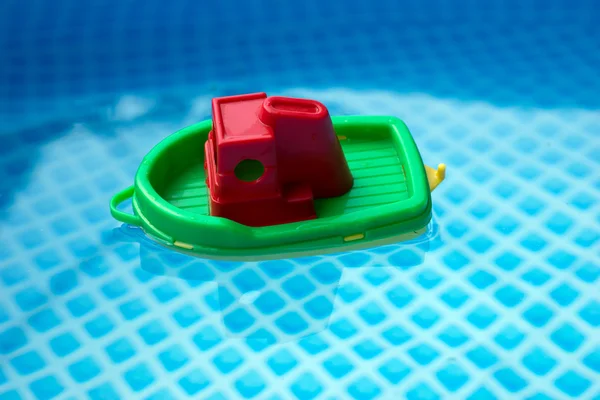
x,y
117,199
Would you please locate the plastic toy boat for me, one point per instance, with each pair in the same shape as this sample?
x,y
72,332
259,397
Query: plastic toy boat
x,y
276,177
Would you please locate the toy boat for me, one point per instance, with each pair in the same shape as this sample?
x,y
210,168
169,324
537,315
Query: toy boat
x,y
275,177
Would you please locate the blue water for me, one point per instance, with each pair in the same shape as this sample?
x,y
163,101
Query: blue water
x,y
499,300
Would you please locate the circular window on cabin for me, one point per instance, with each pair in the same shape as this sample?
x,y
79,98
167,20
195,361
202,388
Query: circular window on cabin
x,y
249,170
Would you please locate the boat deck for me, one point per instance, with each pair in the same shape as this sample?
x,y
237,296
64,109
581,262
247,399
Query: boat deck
x,y
378,171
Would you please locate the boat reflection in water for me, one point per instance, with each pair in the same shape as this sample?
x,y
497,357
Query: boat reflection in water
x,y
271,301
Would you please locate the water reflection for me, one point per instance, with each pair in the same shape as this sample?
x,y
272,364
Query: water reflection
x,y
279,300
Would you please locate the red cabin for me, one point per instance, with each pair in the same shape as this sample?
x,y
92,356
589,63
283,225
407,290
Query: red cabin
x,y
268,158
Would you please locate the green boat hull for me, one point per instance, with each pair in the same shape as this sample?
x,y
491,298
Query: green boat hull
x,y
389,202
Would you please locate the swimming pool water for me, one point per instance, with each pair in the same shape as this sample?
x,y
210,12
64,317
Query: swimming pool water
x,y
499,300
